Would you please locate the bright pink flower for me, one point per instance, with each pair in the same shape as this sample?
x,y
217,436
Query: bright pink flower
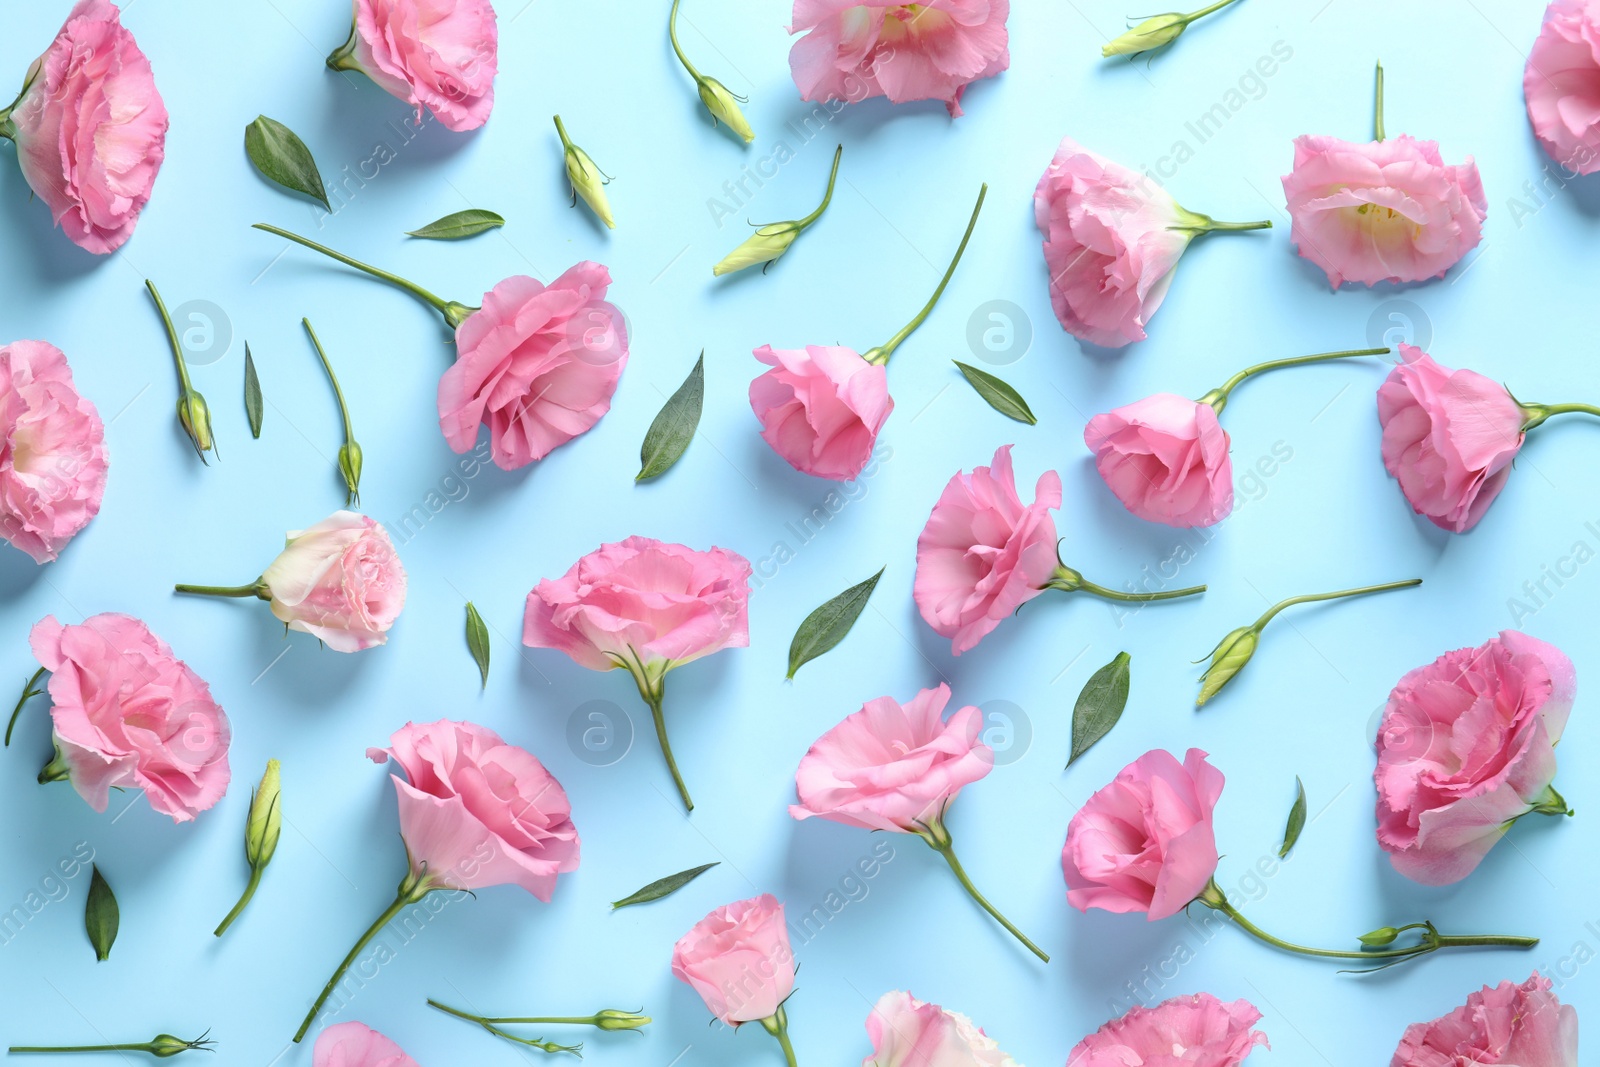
x,y
1383,210
853,50
357,1045
1166,458
1562,85
339,581
1467,745
739,960
893,767
52,451
477,812
907,1032
1194,1031
983,553
436,54
1514,1025
821,408
1145,842
538,365
1449,437
91,129
129,714
1109,242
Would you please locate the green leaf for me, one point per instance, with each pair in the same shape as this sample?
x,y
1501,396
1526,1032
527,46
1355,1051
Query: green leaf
x,y
478,642
1099,705
1000,396
284,158
467,223
100,916
825,627
669,435
662,887
252,394
1297,819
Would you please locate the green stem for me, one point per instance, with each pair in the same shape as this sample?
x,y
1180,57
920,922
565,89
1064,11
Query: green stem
x,y
184,387
489,1026
938,839
777,1025
672,32
454,313
1218,397
881,354
666,749
1377,110
1538,413
28,693
1312,597
238,909
1070,581
1196,224
1203,12
256,589
827,197
652,687
144,1046
338,393
561,131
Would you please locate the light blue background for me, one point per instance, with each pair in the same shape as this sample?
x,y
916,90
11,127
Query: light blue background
x,y
1519,309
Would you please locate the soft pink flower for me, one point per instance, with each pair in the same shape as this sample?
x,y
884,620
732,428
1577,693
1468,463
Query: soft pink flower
x,y
891,766
739,960
52,451
907,1032
1145,842
538,365
1166,458
1515,1025
1562,85
1193,1031
1467,745
357,1045
435,54
1382,210
983,553
339,581
821,408
477,812
91,129
1449,437
129,714
853,50
1109,243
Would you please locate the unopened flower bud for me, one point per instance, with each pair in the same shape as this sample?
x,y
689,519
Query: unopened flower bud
x,y
724,107
1380,937
588,180
266,819
1157,31
765,245
1227,659
195,418
164,1045
611,1019
350,468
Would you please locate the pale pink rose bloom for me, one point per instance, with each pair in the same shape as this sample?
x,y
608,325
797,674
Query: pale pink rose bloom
x,y
907,1032
821,408
852,50
357,1045
739,960
1514,1025
1467,744
1193,1031
435,54
91,129
1145,842
1561,85
476,812
339,581
52,451
1382,210
1109,243
128,714
891,766
1449,438
983,553
1166,458
538,365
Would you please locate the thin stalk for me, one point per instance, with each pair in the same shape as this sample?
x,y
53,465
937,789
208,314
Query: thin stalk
x,y
1071,581
561,131
1377,109
338,393
1218,397
666,749
777,1025
256,589
938,839
349,462
672,33
1203,12
881,354
184,387
489,1026
1197,224
238,909
28,693
454,313
827,197
1313,597
412,889
1538,413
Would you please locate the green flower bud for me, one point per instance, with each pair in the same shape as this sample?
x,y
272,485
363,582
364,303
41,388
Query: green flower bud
x,y
611,1019
763,246
350,467
195,418
266,819
724,107
1155,32
165,1045
1230,655
1380,937
588,180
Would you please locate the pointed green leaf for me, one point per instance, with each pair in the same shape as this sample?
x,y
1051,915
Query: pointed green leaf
x,y
478,642
674,425
999,395
827,626
100,916
252,394
1099,705
1297,819
467,223
662,887
284,158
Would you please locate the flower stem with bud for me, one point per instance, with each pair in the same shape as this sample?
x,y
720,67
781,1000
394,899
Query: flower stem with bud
x,y
588,180
1218,397
350,451
1158,31
773,240
262,828
161,1046
193,414
1070,581
881,354
938,839
722,102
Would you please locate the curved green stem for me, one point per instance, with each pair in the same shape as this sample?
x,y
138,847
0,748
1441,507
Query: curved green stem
x,y
256,589
777,1025
666,749
1218,397
28,693
938,839
672,33
1377,110
454,312
338,393
827,197
489,1026
881,354
172,337
238,909
1538,413
1071,581
1309,598
652,687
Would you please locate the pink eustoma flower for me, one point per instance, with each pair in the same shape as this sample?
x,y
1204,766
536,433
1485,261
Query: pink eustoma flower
x,y
1511,1025
1466,747
438,55
90,128
1561,85
1166,458
907,1032
1145,842
739,960
852,51
52,451
128,714
1192,1031
821,408
357,1045
340,581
